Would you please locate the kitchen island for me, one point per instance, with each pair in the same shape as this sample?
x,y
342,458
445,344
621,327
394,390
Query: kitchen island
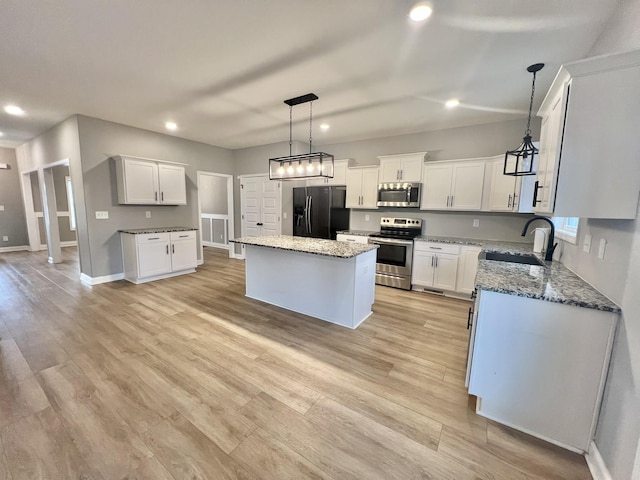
x,y
330,280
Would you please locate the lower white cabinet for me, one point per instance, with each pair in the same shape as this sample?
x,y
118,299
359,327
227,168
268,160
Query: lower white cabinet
x,y
344,237
540,366
467,269
152,256
435,265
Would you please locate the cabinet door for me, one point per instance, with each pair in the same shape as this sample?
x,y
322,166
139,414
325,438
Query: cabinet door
x,y
446,271
467,269
503,188
390,170
339,172
173,188
315,182
183,254
411,169
436,187
466,190
422,268
354,188
153,259
370,188
140,181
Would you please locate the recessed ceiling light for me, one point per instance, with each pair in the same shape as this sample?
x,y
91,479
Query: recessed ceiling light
x,y
1,134
452,103
325,127
171,126
14,110
420,11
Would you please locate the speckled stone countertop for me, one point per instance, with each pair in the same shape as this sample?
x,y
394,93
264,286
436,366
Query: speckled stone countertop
x,y
552,282
362,233
317,246
142,231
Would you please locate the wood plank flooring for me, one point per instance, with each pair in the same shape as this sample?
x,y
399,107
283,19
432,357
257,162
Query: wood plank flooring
x,y
186,378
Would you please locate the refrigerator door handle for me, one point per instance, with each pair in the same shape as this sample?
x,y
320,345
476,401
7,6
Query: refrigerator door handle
x,y
310,210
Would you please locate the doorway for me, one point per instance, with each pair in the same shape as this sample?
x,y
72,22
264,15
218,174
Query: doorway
x,y
215,208
261,206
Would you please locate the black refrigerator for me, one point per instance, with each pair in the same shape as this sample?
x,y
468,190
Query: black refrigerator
x,y
319,212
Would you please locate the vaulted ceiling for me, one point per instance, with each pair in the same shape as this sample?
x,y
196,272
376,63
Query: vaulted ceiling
x,y
221,69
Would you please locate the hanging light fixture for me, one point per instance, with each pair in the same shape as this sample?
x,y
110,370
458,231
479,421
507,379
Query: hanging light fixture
x,y
519,162
307,165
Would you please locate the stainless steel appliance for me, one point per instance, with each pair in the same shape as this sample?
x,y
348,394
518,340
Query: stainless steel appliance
x,y
401,194
319,212
395,254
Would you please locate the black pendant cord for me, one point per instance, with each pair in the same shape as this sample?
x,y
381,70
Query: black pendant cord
x,y
533,91
290,127
310,124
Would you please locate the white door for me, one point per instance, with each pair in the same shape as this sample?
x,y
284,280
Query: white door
x,y
154,258
411,170
446,271
354,188
466,190
503,188
370,187
173,187
141,185
436,186
261,206
184,254
390,170
423,268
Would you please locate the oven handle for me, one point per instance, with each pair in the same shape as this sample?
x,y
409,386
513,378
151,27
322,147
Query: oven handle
x,y
390,241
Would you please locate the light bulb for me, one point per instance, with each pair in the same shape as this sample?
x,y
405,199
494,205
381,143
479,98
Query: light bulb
x,y
290,169
299,169
420,11
310,167
281,170
14,110
452,103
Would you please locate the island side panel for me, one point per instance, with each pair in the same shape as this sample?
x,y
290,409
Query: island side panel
x,y
316,285
365,286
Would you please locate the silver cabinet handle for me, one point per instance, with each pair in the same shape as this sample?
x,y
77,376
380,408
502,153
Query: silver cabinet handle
x,y
435,248
155,196
436,261
432,260
167,247
514,204
162,197
183,236
154,238
509,202
173,249
452,197
401,174
448,196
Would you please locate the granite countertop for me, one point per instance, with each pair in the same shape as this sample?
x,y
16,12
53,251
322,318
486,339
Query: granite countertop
x,y
552,282
316,246
362,233
142,231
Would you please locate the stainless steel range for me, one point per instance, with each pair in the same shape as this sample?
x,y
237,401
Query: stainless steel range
x,y
394,257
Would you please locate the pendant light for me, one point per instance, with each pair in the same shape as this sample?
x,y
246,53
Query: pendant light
x,y
520,162
307,165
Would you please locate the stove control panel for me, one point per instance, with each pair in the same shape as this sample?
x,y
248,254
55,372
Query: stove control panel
x,y
397,222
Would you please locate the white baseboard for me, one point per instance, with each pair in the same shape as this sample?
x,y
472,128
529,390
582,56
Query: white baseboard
x,y
71,243
598,468
87,280
14,249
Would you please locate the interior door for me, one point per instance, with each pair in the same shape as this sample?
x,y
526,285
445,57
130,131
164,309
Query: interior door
x,y
251,200
261,206
270,206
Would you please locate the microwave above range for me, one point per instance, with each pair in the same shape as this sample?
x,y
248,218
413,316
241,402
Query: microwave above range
x,y
400,194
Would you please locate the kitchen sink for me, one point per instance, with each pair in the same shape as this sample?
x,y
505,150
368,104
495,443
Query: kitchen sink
x,y
513,258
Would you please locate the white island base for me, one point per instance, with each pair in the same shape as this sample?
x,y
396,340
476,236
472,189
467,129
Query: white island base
x,y
338,290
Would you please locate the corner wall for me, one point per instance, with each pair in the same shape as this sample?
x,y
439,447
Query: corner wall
x,y
13,222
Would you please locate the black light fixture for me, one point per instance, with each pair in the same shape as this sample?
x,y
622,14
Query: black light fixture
x,y
520,162
307,165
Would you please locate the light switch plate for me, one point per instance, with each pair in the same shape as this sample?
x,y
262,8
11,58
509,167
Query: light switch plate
x,y
586,244
284,215
367,218
601,248
476,222
1,208
102,215
5,238
147,214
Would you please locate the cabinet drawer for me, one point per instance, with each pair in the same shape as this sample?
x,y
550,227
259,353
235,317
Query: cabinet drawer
x,y
152,237
183,235
437,247
341,237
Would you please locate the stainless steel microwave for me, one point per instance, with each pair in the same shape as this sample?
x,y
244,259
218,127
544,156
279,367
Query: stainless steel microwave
x,y
400,194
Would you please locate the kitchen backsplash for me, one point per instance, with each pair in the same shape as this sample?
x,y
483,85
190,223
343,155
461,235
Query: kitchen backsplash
x,y
491,226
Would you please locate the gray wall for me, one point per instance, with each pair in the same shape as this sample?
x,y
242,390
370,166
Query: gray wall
x,y
100,140
12,219
213,195
618,276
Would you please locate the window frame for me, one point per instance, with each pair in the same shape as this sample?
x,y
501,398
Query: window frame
x,y
567,232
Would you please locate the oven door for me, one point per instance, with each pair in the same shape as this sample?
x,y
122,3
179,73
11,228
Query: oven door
x,y
393,256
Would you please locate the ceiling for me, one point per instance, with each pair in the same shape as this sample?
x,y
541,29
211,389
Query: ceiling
x,y
221,69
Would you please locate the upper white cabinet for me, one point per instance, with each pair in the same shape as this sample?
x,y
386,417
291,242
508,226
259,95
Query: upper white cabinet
x,y
453,185
339,175
506,192
588,165
144,181
362,187
406,167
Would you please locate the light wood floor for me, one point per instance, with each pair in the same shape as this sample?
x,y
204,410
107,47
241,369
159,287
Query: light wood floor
x,y
186,378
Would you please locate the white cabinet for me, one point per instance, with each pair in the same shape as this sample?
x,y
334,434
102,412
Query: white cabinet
x,y
435,265
405,167
362,187
467,269
343,237
339,175
540,366
152,256
586,164
143,181
508,193
453,185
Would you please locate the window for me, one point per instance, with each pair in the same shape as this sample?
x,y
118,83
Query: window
x,y
567,228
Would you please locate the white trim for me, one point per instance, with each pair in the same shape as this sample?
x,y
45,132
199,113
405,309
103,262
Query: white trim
x,y
597,467
33,232
87,280
230,227
145,158
69,243
14,249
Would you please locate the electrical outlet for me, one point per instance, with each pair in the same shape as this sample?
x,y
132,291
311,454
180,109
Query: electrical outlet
x,y
5,238
102,215
601,248
284,215
147,214
367,218
476,222
1,208
586,243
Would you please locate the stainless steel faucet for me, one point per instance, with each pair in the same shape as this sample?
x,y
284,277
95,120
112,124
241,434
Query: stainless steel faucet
x,y
550,245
